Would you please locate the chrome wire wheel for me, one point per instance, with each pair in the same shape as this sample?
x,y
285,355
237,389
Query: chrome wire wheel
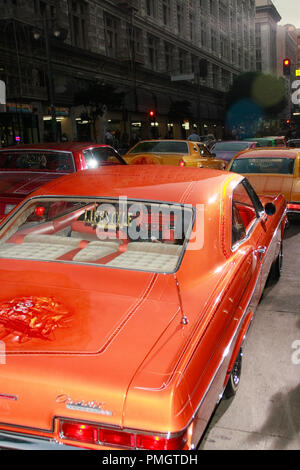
x,y
235,376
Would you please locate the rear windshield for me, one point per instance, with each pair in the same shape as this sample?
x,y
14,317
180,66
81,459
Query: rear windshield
x,y
282,166
161,147
122,234
100,156
229,146
37,161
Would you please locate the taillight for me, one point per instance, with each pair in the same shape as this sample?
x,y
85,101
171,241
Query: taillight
x,y
118,438
182,163
39,211
94,434
150,442
79,432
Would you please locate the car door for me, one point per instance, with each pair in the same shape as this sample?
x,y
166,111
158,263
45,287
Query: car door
x,y
247,211
268,241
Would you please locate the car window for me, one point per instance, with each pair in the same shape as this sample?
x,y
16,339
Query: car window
x,y
243,209
161,146
140,236
100,156
238,231
281,166
230,146
37,160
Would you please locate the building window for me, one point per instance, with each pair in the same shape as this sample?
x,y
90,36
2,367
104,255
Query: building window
x,y
169,54
166,12
182,56
203,34
192,27
214,41
215,71
79,13
135,39
224,47
180,17
153,44
111,25
151,8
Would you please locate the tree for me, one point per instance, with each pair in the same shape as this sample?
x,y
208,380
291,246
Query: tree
x,y
254,96
97,99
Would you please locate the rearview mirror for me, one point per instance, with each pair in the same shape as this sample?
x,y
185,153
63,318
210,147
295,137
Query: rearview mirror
x,y
270,208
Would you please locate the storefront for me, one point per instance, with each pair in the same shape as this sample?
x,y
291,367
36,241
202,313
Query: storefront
x,y
18,125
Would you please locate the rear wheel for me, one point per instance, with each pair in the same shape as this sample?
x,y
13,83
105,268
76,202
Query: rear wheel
x,y
276,268
234,379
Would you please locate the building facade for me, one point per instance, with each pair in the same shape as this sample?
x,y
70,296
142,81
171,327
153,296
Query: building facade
x,y
176,57
266,20
287,48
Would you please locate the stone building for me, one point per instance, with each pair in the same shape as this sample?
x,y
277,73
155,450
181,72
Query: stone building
x,y
177,57
266,20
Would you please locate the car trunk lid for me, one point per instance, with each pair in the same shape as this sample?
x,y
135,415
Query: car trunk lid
x,y
76,336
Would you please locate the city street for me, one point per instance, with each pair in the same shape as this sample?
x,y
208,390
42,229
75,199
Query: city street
x,y
264,415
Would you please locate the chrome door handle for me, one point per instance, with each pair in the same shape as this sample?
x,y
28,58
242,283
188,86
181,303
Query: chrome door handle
x,y
261,250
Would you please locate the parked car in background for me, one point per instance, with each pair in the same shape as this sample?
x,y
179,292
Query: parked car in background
x,y
271,172
126,296
273,141
172,152
23,168
227,149
294,143
209,140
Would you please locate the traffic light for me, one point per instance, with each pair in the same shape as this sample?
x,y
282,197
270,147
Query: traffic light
x,y
151,114
286,67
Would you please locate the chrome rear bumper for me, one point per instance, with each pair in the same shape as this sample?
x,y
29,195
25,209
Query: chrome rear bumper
x,y
14,441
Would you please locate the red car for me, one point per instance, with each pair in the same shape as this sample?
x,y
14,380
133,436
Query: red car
x,y
24,168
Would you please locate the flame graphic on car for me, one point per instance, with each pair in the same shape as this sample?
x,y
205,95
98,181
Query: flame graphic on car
x,y
31,317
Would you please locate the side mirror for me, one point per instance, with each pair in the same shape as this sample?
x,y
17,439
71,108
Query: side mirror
x,y
270,208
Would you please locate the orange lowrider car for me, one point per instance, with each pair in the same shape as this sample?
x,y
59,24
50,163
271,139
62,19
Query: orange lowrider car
x,y
271,172
126,297
173,152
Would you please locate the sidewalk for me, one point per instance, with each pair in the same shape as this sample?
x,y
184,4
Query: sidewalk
x,y
265,413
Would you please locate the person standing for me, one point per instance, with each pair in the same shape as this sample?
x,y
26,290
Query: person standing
x,y
194,137
109,139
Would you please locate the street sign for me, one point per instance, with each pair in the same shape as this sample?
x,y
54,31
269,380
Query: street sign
x,y
2,92
177,78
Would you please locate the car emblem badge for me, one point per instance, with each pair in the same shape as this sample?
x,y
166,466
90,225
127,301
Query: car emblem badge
x,y
88,406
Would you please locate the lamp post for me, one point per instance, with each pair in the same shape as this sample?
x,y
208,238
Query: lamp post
x,y
50,84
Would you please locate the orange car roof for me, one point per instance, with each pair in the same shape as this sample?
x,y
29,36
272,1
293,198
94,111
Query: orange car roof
x,y
269,152
144,182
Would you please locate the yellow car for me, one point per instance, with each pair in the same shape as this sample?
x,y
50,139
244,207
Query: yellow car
x,y
272,171
173,152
